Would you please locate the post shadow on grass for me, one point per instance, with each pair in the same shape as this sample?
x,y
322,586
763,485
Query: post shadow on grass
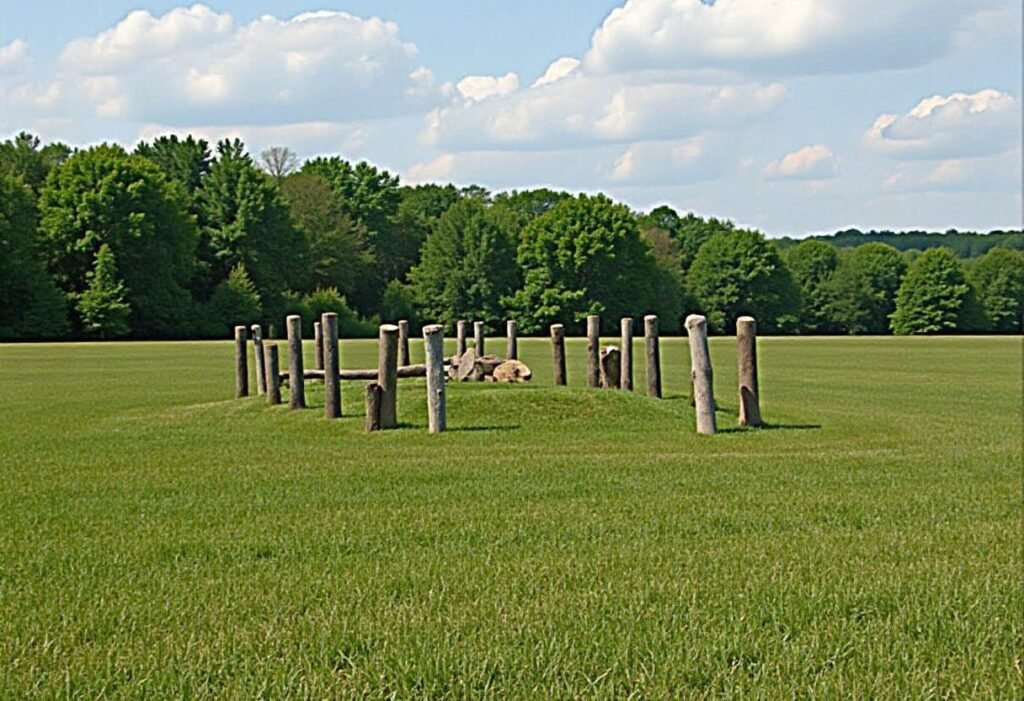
x,y
771,427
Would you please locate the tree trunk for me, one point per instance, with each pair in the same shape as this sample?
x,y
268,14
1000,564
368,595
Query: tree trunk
x,y
241,364
374,395
296,379
403,342
332,385
387,375
746,340
433,345
558,352
652,348
273,377
593,351
512,340
626,350
258,359
701,374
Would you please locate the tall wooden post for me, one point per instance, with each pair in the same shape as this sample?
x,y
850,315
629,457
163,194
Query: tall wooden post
x,y
387,375
478,338
318,346
700,373
241,364
373,397
258,360
403,343
433,345
626,354
653,352
558,352
512,340
296,379
746,340
332,383
273,374
460,338
593,351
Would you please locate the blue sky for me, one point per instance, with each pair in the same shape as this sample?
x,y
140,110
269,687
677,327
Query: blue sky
x,y
794,116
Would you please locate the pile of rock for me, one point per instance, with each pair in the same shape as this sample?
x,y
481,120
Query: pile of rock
x,y
469,367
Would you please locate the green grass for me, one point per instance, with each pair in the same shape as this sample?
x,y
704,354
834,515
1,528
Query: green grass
x,y
158,539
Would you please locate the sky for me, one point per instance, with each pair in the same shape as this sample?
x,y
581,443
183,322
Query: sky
x,y
791,116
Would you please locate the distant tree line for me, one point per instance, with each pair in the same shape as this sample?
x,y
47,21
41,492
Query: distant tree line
x,y
178,240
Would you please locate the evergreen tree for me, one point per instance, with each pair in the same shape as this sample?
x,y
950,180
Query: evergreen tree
x,y
102,307
236,301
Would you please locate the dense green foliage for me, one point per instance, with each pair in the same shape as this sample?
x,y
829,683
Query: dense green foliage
x,y
933,295
467,266
583,256
204,240
102,307
105,196
556,543
737,273
966,244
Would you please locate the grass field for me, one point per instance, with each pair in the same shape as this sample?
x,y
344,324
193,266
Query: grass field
x,y
160,540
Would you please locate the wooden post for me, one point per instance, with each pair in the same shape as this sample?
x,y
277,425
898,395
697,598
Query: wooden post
x,y
433,346
258,359
387,375
611,367
700,373
373,399
478,338
460,337
332,384
318,346
403,343
593,351
273,374
653,352
296,380
512,340
241,364
558,352
626,354
746,353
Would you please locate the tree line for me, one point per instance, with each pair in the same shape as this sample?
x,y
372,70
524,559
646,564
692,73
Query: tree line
x,y
178,240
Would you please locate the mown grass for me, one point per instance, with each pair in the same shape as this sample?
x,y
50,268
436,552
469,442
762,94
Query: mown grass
x,y
158,539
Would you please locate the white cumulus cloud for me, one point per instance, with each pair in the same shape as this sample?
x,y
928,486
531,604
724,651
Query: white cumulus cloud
x,y
480,87
13,57
960,125
194,65
786,37
815,162
559,68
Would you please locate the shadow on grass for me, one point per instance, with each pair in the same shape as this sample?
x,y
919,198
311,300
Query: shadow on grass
x,y
771,427
474,429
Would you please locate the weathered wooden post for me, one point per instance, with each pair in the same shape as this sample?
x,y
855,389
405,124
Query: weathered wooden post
x,y
593,351
653,352
433,346
558,352
387,375
611,367
700,374
373,398
241,364
258,359
512,340
332,383
478,338
273,374
403,343
296,379
318,346
746,339
460,338
626,351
